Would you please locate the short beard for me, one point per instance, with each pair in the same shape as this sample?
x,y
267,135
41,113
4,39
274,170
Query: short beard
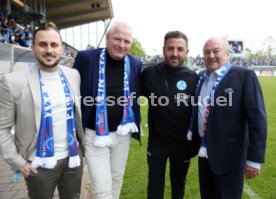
x,y
47,65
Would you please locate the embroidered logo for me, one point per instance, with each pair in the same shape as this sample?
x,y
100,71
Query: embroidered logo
x,y
181,85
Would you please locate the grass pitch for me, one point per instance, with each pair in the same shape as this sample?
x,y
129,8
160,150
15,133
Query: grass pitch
x,y
262,187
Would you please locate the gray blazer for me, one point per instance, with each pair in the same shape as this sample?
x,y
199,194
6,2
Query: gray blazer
x,y
20,106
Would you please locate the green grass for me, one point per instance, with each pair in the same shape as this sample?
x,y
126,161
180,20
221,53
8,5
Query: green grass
x,y
135,179
265,184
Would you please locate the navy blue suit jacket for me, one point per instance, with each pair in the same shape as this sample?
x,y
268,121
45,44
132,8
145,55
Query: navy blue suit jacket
x,y
87,63
237,133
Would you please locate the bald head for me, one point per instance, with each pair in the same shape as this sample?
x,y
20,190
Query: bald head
x,y
216,53
223,41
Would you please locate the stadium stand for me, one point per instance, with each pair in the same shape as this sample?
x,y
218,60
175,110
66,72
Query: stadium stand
x,y
18,19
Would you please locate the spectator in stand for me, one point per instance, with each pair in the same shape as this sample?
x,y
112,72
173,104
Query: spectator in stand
x,y
27,32
12,25
1,22
12,38
4,30
21,41
29,41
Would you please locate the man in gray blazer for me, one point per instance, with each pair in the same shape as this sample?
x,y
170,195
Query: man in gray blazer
x,y
42,105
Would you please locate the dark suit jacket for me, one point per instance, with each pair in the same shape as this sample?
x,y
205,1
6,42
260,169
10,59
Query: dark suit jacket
x,y
87,63
237,133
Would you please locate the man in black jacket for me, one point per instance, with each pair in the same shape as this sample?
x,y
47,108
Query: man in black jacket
x,y
169,87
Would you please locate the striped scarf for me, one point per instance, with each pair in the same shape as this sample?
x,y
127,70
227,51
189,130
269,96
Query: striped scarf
x,y
45,154
127,124
203,148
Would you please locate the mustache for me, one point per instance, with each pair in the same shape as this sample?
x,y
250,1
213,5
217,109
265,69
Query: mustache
x,y
48,54
174,57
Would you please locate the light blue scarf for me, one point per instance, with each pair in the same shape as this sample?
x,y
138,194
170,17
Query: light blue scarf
x,y
127,124
203,148
45,146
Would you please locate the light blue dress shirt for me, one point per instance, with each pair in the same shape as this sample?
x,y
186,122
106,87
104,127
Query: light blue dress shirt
x,y
204,95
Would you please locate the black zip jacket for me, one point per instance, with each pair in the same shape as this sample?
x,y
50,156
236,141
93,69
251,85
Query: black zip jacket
x,y
168,116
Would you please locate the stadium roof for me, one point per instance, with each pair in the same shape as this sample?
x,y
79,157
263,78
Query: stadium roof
x,y
68,13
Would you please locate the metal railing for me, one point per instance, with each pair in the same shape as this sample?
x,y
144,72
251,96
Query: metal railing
x,y
13,57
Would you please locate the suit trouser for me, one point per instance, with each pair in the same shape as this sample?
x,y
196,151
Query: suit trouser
x,y
157,159
106,165
219,186
68,180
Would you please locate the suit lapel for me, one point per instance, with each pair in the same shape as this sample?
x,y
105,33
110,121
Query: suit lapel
x,y
223,83
131,75
34,84
95,76
197,94
221,86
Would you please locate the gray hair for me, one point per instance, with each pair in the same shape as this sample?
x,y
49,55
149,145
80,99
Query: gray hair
x,y
226,45
225,42
121,24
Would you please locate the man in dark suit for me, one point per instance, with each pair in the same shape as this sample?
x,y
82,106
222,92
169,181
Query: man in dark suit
x,y
232,123
109,79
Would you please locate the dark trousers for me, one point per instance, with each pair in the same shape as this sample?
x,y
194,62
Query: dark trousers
x,y
219,186
68,180
157,159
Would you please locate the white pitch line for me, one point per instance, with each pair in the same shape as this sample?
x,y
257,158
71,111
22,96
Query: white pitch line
x,y
250,192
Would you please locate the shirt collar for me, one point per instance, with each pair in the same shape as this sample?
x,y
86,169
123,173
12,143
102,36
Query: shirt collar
x,y
216,72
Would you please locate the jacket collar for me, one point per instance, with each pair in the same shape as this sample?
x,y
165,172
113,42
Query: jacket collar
x,y
33,81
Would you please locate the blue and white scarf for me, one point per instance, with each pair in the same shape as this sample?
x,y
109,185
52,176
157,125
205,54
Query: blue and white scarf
x,y
203,149
127,124
45,154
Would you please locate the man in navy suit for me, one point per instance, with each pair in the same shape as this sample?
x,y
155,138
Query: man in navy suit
x,y
232,123
109,83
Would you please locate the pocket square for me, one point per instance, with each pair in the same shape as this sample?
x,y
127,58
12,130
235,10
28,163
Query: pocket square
x,y
227,91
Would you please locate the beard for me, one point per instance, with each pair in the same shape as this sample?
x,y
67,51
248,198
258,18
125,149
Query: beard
x,y
174,61
42,63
